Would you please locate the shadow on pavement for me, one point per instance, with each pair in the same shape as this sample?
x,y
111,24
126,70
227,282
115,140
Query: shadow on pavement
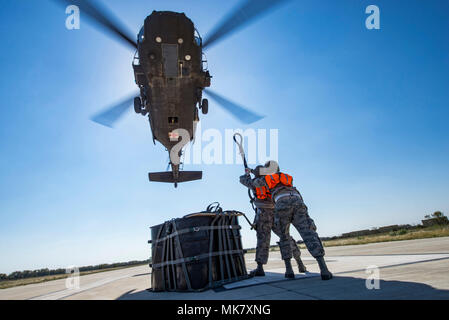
x,y
339,288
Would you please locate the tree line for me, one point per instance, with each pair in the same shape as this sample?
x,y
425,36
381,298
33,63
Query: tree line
x,y
16,275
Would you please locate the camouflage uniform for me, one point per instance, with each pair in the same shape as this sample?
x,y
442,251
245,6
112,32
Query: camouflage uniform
x,y
264,224
292,210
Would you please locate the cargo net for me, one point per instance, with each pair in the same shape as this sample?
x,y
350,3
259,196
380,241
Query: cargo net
x,y
197,252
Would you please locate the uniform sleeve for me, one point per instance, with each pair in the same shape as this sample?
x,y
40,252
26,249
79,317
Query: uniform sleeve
x,y
259,182
247,181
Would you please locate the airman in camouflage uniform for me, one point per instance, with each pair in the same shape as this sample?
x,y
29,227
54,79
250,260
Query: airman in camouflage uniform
x,y
264,224
290,209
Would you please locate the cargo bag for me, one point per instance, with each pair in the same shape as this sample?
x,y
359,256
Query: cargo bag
x,y
197,252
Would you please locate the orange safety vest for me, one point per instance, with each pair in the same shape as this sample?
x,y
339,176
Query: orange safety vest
x,y
272,181
263,193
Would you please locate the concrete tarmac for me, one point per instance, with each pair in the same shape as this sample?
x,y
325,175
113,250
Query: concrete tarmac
x,y
412,269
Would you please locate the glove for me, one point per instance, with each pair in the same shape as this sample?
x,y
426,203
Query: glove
x,y
247,171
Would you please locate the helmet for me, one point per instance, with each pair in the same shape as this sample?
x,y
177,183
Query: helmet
x,y
273,166
270,167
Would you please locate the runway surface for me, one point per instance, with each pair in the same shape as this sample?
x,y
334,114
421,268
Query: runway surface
x,y
412,269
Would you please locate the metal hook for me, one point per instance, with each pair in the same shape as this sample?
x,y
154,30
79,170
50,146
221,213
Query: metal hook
x,y
240,145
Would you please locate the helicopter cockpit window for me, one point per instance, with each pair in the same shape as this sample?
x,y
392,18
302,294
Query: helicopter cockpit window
x,y
197,38
141,35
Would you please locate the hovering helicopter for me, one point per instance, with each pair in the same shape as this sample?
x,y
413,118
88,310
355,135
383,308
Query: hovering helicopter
x,y
169,70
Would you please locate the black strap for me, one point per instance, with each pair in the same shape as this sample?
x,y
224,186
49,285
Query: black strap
x,y
184,268
211,247
195,229
214,207
196,258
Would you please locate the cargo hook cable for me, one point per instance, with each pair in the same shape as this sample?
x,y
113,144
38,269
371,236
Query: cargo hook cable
x,y
242,154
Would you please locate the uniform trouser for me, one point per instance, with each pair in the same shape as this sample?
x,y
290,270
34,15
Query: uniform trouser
x,y
292,210
264,222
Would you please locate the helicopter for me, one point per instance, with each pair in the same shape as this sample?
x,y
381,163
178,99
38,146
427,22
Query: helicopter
x,y
171,73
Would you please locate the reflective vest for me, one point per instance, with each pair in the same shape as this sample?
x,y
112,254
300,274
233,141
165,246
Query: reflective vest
x,y
263,193
272,181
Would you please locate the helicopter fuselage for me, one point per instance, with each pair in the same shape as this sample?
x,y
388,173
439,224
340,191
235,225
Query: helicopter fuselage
x,y
170,75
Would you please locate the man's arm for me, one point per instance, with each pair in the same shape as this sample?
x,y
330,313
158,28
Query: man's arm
x,y
247,181
259,182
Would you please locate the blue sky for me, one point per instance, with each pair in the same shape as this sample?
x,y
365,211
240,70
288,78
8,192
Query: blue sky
x,y
362,118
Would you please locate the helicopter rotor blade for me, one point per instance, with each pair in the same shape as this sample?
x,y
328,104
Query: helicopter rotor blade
x,y
249,11
113,113
240,113
103,17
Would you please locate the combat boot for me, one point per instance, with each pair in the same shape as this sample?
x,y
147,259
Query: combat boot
x,y
301,266
325,273
288,269
258,272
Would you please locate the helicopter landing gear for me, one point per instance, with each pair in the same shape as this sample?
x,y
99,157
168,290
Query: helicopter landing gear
x,y
137,105
205,106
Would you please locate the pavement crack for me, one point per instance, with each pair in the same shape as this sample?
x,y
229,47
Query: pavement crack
x,y
290,290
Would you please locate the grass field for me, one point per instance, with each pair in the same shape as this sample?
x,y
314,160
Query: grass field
x,y
403,234
429,232
21,282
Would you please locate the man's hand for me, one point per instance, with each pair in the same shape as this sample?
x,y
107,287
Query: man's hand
x,y
247,171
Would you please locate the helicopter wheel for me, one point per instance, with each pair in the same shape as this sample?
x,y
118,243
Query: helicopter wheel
x,y
205,106
137,105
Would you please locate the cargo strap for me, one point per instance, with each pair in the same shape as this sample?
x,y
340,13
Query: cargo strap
x,y
184,267
196,229
196,258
